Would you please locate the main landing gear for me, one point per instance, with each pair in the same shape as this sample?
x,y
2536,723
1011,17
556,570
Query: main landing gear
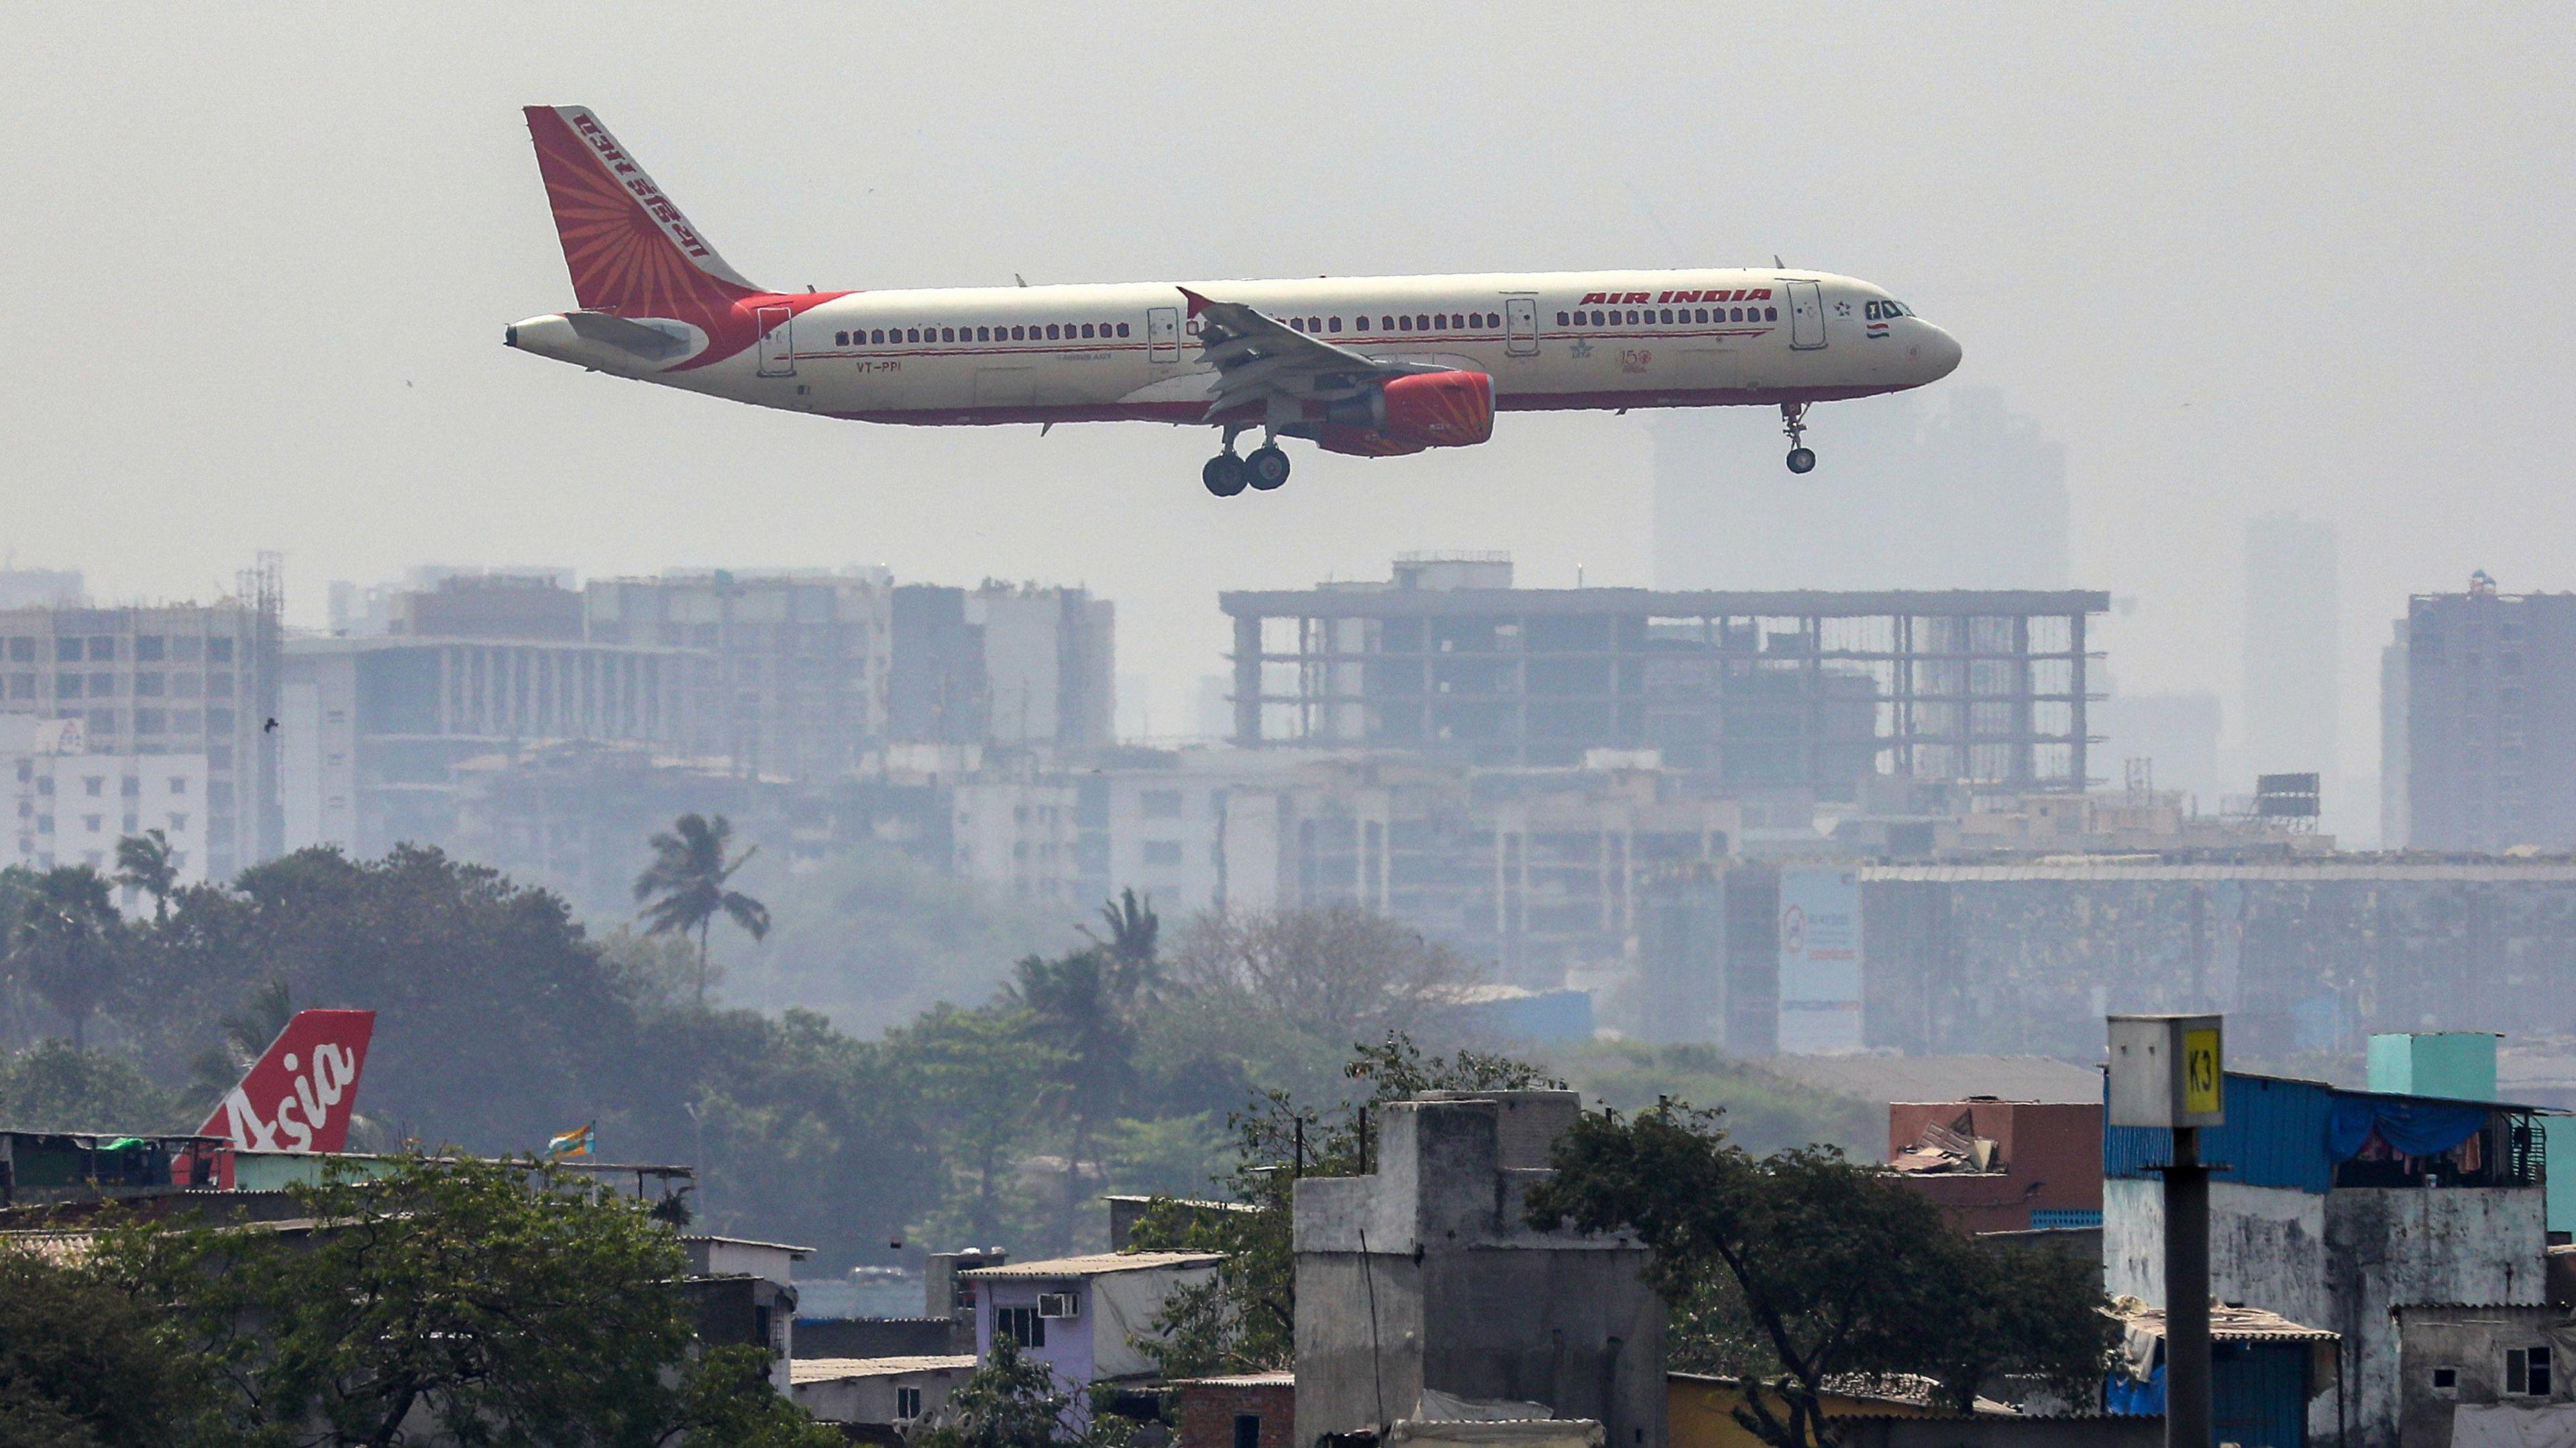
x,y
1227,474
1793,421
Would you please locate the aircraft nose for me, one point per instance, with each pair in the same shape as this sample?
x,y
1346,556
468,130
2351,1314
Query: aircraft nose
x,y
1940,353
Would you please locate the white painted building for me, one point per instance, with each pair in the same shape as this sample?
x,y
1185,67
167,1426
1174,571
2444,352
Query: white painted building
x,y
72,805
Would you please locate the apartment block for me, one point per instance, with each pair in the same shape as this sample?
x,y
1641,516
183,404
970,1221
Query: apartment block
x,y
181,681
2489,741
71,805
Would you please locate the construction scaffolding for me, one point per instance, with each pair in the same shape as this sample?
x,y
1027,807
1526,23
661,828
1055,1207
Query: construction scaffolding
x,y
1800,689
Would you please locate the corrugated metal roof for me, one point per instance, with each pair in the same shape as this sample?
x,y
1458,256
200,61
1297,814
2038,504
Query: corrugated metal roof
x,y
2226,1324
2275,1136
1098,1264
54,1249
835,1370
748,1242
1284,1378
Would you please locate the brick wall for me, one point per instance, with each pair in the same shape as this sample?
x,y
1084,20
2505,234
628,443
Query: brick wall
x,y
1209,1407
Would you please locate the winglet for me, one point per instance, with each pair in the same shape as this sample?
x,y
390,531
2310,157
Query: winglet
x,y
1198,303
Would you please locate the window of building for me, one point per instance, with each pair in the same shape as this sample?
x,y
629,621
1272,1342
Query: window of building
x,y
102,721
102,686
103,647
67,651
132,823
94,785
907,1403
67,686
149,648
1021,1325
151,721
1247,1430
22,651
1159,804
93,823
2446,1380
1162,852
178,784
2526,1371
44,824
129,787
149,683
45,785
178,821
218,651
218,686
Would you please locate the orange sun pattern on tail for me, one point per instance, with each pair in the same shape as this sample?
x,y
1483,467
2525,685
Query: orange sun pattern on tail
x,y
628,247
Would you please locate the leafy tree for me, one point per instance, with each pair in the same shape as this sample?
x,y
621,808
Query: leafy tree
x,y
809,1134
980,1075
684,889
80,1366
1134,931
1011,1401
726,1401
242,1036
65,941
1084,1008
1246,1319
494,1301
56,1084
1338,972
143,862
1835,1267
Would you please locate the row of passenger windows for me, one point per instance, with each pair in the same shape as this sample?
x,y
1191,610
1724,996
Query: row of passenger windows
x,y
1051,332
1420,322
1645,316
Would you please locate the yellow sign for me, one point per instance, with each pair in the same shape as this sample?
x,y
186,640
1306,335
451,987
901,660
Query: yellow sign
x,y
2200,1074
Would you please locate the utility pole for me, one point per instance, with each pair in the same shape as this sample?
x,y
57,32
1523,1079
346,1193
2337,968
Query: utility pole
x,y
2167,1074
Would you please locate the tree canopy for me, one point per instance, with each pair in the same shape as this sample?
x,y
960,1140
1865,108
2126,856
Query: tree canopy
x,y
1818,1268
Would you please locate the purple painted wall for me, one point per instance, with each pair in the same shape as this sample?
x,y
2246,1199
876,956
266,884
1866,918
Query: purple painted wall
x,y
1068,1340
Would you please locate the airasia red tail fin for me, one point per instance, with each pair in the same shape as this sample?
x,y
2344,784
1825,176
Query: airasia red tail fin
x,y
300,1093
630,250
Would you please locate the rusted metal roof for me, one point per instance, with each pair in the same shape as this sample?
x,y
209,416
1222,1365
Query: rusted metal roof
x,y
2226,1324
836,1370
1098,1264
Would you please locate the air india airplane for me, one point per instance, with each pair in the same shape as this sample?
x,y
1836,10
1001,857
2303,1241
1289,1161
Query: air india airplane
x,y
1374,366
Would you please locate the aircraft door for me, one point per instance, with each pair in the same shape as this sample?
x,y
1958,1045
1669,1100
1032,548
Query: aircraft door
x,y
1806,315
1520,326
1163,334
777,341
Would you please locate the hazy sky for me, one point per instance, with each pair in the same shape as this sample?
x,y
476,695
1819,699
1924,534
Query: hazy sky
x,y
261,259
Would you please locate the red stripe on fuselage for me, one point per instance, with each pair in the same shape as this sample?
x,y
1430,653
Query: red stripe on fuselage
x,y
1193,412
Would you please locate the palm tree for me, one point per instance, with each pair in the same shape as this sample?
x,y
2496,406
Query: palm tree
x,y
64,941
143,862
684,888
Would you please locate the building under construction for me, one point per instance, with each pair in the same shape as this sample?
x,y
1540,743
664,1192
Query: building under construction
x,y
1775,690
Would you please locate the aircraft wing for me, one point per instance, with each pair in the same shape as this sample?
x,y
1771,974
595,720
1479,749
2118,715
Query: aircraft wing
x,y
1258,357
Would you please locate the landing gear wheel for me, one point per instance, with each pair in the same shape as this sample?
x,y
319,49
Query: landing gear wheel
x,y
1269,467
1225,475
1793,421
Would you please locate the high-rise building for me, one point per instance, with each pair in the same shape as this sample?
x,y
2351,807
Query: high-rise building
x,y
797,663
1004,664
1958,492
74,805
2395,823
2490,736
2292,640
180,680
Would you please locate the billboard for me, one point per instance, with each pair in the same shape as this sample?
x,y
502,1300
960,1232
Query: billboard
x,y
1820,960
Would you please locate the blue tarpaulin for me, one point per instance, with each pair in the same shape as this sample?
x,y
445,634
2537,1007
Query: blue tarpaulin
x,y
2410,1125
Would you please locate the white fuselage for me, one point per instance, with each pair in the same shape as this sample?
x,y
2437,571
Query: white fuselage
x,y
1128,351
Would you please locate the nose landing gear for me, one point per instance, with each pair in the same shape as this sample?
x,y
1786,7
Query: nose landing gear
x,y
1793,421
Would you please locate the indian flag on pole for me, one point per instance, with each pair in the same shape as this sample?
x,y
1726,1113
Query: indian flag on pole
x,y
577,1142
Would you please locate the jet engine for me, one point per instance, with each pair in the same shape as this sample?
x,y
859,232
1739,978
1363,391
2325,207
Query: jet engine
x,y
1408,414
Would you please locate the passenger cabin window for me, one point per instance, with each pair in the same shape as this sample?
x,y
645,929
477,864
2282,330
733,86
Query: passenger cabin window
x,y
1359,324
1122,329
1332,324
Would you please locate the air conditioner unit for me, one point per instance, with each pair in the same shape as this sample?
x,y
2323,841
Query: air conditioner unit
x,y
1056,1304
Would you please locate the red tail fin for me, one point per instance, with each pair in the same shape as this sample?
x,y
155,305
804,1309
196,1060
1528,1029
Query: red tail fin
x,y
301,1092
629,248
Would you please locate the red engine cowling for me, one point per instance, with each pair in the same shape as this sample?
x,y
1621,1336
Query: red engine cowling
x,y
1408,414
